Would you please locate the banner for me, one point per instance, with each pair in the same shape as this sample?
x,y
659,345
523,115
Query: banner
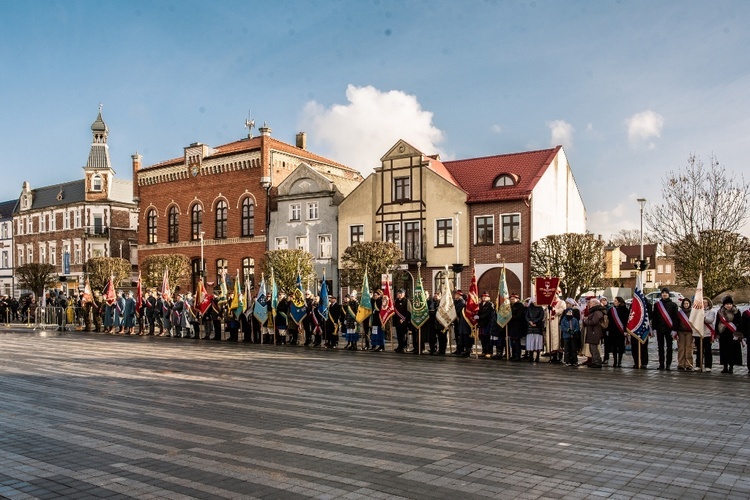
x,y
166,291
238,300
203,299
638,322
472,302
323,302
298,306
108,293
697,314
446,313
138,295
260,310
419,312
87,295
365,305
504,313
386,310
545,290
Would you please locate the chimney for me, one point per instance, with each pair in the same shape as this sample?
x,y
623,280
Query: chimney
x,y
136,168
302,140
265,130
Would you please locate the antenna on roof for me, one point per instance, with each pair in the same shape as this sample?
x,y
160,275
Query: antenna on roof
x,y
250,125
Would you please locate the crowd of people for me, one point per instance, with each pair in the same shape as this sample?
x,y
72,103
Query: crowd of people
x,y
561,332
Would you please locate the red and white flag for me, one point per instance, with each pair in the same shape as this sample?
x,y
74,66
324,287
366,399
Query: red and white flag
x,y
697,313
472,302
166,292
386,310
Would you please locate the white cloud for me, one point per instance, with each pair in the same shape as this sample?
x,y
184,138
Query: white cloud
x,y
562,133
644,126
360,132
610,220
496,129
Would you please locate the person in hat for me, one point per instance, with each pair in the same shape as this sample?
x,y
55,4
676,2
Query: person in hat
x,y
485,319
705,338
349,321
333,322
593,322
534,330
516,326
664,321
402,320
462,328
128,314
728,323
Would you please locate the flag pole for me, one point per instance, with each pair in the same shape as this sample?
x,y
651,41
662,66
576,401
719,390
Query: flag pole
x,y
507,344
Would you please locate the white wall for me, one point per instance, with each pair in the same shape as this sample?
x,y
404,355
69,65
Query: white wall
x,y
556,203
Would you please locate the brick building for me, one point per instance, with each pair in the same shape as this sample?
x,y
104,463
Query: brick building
x,y
215,202
66,224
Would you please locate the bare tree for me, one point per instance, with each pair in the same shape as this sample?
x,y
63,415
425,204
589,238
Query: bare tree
x,y
697,198
628,237
722,256
576,258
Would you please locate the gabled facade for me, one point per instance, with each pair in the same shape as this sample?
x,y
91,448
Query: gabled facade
x,y
214,202
305,216
411,200
66,224
6,248
514,200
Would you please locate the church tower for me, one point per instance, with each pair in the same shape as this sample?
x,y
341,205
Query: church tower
x,y
98,170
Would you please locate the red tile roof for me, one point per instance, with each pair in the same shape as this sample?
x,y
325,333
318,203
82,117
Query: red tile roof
x,y
476,176
439,168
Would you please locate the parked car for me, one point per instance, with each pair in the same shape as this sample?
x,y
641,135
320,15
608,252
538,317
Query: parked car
x,y
654,296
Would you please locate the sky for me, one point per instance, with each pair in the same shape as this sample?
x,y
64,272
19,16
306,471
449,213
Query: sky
x,y
629,88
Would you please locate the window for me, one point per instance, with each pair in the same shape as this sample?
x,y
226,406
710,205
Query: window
x,y
356,234
504,180
30,254
29,225
221,269
20,256
5,260
282,243
444,228
668,268
77,253
511,228
633,274
412,240
393,233
42,254
248,271
221,219
66,220
484,230
151,226
77,219
324,246
42,223
53,255
196,221
173,225
660,269
96,182
401,189
649,276
312,210
53,222
295,212
248,217
5,231
302,243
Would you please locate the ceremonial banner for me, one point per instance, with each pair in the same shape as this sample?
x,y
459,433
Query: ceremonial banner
x,y
365,305
504,314
203,299
238,300
138,295
223,285
110,297
697,314
87,295
386,310
298,306
544,290
446,313
419,313
166,291
323,302
260,310
472,303
249,305
274,295
638,323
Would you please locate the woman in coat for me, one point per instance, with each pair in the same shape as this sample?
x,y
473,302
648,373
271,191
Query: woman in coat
x,y
594,331
730,337
703,342
534,331
618,320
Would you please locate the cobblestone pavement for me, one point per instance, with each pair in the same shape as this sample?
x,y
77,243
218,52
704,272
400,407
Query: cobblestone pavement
x,y
96,416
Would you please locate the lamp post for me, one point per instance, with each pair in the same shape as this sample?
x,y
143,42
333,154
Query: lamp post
x,y
457,266
203,265
642,262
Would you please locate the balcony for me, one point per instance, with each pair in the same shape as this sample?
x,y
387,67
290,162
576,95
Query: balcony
x,y
96,232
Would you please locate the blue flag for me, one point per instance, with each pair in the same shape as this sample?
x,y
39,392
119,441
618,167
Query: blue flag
x,y
638,322
260,310
323,304
298,308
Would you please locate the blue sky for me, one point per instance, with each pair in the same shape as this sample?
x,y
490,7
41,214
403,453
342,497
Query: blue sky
x,y
630,88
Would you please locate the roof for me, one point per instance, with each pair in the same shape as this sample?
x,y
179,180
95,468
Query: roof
x,y
70,192
250,144
476,176
6,209
439,168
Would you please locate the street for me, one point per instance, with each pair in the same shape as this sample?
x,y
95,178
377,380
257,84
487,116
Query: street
x,y
87,415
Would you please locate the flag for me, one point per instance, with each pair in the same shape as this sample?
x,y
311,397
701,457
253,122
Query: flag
x,y
248,299
386,309
138,295
166,292
298,308
87,295
419,312
223,285
274,295
238,300
504,313
446,313
203,299
638,322
472,303
697,314
110,297
365,305
260,310
323,303
545,290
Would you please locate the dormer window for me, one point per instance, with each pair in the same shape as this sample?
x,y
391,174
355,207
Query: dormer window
x,y
96,182
504,180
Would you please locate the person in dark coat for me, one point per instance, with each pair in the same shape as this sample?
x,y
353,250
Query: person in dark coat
x,y
349,321
332,324
402,319
594,331
462,328
128,314
618,315
570,328
745,328
282,318
486,318
534,317
664,321
728,324
378,336
516,326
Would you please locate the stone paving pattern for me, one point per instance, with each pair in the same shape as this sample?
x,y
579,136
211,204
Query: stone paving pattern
x,y
96,416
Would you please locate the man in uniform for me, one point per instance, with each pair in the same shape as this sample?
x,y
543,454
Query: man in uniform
x,y
402,310
486,318
663,320
335,314
349,321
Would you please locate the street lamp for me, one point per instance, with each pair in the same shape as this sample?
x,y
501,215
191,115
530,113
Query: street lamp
x,y
457,266
642,262
203,265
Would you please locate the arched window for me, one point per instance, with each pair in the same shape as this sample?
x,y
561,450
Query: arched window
x,y
196,221
221,219
248,217
151,226
248,271
504,180
96,182
174,225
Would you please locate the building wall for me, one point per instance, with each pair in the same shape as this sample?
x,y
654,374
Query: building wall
x,y
6,256
556,202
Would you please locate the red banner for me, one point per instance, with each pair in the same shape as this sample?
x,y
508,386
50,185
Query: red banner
x,y
545,290
472,304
